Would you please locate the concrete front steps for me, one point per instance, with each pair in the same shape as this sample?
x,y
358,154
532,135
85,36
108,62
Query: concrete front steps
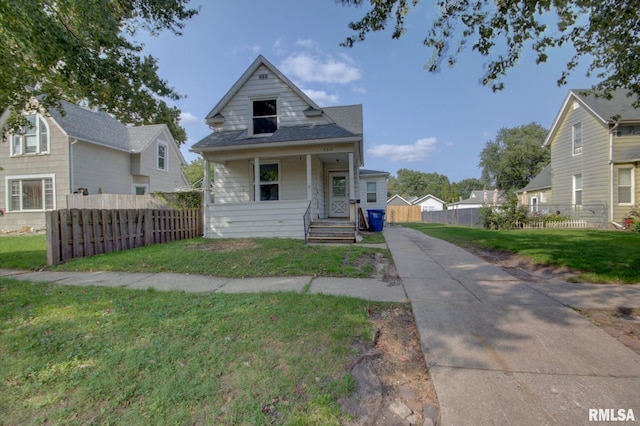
x,y
332,232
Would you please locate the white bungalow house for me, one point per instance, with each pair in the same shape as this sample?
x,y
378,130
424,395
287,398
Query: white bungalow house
x,y
429,203
281,161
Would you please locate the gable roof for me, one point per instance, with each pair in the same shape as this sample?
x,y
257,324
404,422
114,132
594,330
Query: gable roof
x,y
426,197
482,196
399,197
100,128
91,126
541,181
608,111
257,63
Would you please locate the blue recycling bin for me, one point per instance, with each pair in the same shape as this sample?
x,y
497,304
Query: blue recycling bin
x,y
376,217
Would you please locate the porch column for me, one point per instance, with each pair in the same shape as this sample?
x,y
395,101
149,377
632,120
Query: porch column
x,y
256,179
206,184
309,180
352,192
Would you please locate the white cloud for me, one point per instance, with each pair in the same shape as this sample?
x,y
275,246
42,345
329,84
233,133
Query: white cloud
x,y
321,97
306,43
253,49
188,118
328,70
410,153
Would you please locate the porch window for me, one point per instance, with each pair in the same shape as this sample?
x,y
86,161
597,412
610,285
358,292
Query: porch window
x,y
577,190
372,193
34,193
577,138
269,181
265,116
625,186
162,156
33,139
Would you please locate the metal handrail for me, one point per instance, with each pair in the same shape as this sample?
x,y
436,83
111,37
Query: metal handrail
x,y
307,221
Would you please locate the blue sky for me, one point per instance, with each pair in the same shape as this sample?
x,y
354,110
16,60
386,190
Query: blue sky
x,y
412,119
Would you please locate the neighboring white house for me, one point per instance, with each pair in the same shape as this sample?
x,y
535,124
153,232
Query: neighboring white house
x,y
280,160
429,203
81,151
479,198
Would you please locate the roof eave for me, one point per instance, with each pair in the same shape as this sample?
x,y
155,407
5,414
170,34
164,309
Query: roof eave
x,y
243,147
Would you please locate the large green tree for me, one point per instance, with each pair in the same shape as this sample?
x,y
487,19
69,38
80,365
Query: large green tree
x,y
465,186
411,183
84,51
604,32
515,157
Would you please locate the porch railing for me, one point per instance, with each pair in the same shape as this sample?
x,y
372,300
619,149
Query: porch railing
x,y
307,221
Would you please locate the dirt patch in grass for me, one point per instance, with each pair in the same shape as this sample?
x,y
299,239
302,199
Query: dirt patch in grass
x,y
623,324
393,384
223,246
382,266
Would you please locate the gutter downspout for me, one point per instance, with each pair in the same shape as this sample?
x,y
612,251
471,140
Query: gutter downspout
x,y
611,180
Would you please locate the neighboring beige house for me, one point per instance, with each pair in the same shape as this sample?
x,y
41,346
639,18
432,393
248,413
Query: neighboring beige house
x,y
595,150
536,196
281,161
81,151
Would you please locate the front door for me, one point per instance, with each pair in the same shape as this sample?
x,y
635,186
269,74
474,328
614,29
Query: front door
x,y
338,194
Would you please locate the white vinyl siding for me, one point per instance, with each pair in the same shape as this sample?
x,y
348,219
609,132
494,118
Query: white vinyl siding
x,y
290,107
381,192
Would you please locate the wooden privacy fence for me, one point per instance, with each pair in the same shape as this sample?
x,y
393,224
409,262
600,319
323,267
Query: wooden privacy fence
x,y
404,214
73,233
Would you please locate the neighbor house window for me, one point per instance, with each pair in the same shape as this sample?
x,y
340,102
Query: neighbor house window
x,y
577,138
162,156
32,139
625,186
30,193
577,190
265,116
269,181
140,189
372,193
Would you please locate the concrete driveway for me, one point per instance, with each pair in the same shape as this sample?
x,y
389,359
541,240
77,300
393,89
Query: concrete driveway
x,y
504,352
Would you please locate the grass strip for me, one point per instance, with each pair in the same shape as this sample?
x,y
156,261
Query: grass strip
x,y
600,256
73,355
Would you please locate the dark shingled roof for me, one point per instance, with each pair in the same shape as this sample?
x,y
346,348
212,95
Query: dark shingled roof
x,y
283,134
92,126
541,181
620,105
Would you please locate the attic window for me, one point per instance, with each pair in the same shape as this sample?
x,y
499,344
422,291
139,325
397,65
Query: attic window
x,y
263,76
265,117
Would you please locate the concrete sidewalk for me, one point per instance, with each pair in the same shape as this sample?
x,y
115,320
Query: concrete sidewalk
x,y
370,289
502,351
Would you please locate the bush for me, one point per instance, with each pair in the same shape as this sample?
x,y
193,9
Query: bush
x,y
507,216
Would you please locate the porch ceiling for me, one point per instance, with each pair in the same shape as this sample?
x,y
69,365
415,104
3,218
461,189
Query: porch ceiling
x,y
334,157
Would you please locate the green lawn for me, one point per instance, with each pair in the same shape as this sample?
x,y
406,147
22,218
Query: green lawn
x,y
258,257
600,256
73,355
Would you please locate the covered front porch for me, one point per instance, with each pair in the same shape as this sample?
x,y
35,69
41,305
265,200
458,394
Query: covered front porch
x,y
264,195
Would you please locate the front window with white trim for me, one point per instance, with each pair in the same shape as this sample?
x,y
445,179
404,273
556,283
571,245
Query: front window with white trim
x,y
269,181
577,138
265,116
372,192
32,139
163,160
625,186
30,193
577,190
